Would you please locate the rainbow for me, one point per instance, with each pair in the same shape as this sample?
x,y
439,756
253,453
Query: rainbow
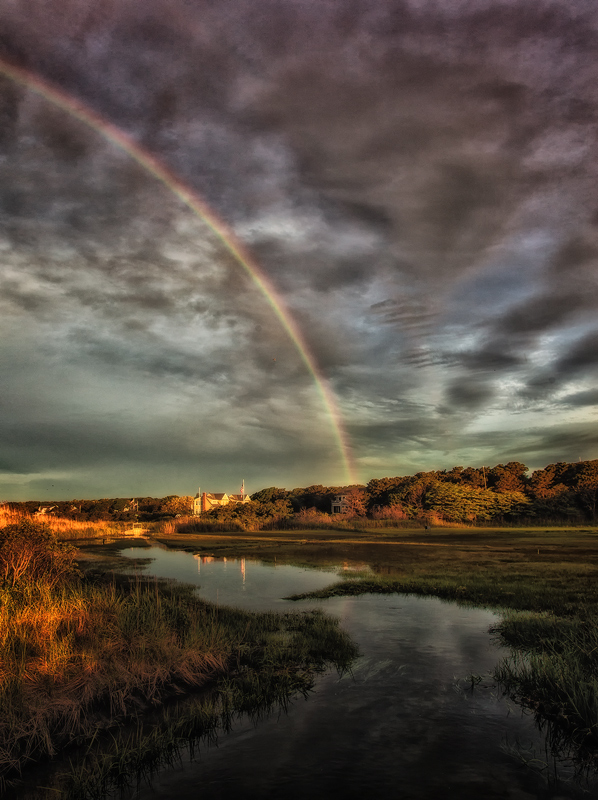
x,y
223,232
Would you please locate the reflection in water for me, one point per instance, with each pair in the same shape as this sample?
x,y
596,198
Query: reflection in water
x,y
411,721
247,583
210,560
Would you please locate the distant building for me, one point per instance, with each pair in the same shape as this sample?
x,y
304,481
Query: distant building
x,y
209,500
341,502
43,510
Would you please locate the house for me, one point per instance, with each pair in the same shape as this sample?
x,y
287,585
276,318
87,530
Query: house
x,y
43,510
344,502
209,500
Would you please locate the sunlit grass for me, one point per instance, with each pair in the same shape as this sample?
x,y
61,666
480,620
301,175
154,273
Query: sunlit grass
x,y
62,527
264,676
78,656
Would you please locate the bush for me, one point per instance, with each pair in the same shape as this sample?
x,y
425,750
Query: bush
x,y
31,554
394,512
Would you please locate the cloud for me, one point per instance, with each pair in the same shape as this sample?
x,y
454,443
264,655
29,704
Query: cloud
x,y
467,395
587,397
583,355
418,182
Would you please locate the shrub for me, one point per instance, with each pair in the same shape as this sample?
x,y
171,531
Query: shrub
x,y
389,512
31,554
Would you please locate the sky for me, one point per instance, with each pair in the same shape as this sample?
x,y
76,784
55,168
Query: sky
x,y
417,180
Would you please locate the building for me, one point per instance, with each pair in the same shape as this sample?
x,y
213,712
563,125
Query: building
x,y
344,502
209,500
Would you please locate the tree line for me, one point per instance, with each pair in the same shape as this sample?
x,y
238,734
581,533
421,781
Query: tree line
x,y
114,509
561,492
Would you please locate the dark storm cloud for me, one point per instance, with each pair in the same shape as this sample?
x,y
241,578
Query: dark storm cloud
x,y
589,397
418,180
416,431
492,357
546,312
561,443
577,360
469,394
583,355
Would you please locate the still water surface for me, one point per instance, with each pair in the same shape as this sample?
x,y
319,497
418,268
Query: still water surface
x,y
403,725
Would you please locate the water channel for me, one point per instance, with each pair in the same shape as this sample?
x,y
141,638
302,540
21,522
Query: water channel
x,y
405,724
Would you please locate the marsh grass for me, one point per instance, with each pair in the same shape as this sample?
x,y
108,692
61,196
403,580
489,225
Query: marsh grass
x,y
310,520
544,582
564,594
199,525
553,669
68,653
79,659
63,528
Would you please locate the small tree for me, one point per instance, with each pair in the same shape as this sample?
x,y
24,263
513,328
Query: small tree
x,y
356,502
173,504
586,485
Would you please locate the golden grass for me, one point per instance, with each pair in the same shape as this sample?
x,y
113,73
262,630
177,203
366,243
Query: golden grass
x,y
77,659
65,652
62,527
9,516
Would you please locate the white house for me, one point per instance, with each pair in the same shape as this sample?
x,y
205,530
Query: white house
x,y
341,503
208,500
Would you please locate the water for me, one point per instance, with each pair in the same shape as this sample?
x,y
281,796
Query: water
x,y
405,724
243,583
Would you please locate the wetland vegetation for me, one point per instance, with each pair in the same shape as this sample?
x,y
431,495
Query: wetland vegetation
x,y
84,650
543,579
80,655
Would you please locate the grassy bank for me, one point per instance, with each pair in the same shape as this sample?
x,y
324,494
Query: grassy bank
x,y
80,656
544,580
546,570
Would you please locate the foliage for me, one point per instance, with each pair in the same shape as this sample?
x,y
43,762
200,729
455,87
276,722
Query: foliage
x,y
356,502
269,495
461,502
457,502
176,505
391,512
250,516
115,509
316,496
561,492
31,554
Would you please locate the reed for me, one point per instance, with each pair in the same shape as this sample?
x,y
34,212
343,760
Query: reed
x,y
115,654
553,669
80,656
544,583
62,527
199,525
